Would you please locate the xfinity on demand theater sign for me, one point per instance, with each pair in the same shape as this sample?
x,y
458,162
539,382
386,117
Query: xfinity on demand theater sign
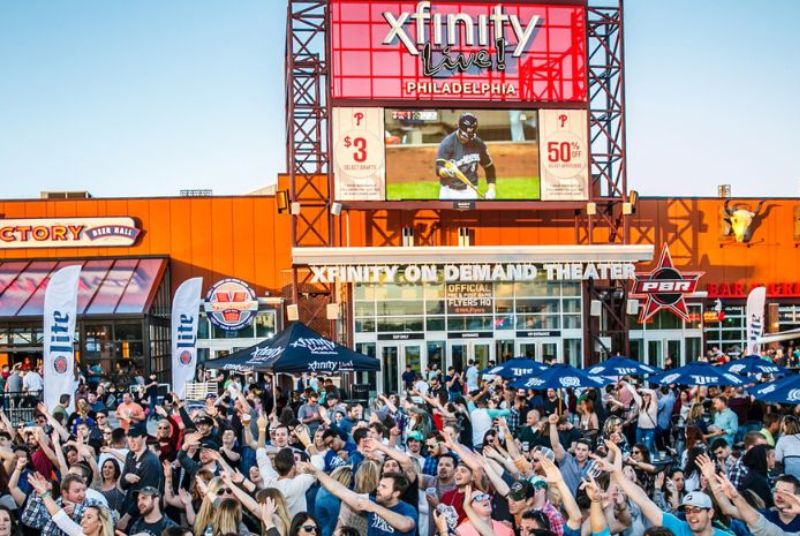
x,y
430,273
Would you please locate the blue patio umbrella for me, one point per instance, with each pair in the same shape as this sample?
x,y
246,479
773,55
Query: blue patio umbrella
x,y
514,368
753,364
783,391
295,350
558,376
696,373
621,366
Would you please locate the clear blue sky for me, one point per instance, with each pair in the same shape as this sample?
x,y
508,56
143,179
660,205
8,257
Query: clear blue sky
x,y
147,97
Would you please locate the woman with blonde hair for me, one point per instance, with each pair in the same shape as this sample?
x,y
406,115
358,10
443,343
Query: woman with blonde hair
x,y
327,505
228,519
207,513
280,517
366,481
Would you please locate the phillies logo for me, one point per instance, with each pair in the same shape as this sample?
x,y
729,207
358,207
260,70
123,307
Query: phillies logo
x,y
185,358
665,288
60,365
231,304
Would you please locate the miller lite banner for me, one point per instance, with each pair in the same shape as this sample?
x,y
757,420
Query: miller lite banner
x,y
458,51
755,319
665,287
60,310
185,311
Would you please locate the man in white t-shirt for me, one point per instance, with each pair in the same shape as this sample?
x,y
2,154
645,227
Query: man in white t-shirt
x,y
285,478
472,376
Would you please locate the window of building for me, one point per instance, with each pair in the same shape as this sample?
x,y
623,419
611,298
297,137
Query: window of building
x,y
728,335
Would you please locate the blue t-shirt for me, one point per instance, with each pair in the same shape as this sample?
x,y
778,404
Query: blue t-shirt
x,y
772,515
332,459
377,526
681,528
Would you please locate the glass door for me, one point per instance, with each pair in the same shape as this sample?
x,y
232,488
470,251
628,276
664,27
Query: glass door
x,y
539,349
460,354
394,358
654,353
390,363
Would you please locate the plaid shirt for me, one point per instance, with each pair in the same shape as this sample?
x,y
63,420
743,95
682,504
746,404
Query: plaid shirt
x,y
430,466
36,515
555,518
737,473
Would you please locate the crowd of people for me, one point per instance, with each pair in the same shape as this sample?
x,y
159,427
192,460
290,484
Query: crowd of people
x,y
453,453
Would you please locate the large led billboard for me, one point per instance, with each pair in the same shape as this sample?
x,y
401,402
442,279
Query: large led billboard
x,y
459,100
458,51
462,154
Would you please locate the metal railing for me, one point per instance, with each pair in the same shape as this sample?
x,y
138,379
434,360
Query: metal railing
x,y
20,407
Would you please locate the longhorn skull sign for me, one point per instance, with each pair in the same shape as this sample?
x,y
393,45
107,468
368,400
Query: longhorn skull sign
x,y
739,221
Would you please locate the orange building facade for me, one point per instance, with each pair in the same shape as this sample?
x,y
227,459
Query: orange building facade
x,y
442,318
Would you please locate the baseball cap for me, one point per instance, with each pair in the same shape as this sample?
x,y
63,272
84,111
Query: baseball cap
x,y
209,443
416,436
521,490
148,490
697,499
538,482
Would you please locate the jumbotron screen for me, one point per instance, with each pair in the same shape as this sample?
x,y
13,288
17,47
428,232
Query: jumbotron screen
x,y
454,100
460,154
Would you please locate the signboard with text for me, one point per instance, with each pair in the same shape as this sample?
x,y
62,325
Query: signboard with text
x,y
67,232
469,298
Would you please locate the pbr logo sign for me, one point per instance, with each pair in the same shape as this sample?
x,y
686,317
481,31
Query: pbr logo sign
x,y
665,288
231,304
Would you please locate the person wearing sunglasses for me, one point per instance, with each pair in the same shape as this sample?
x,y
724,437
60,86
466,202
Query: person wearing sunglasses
x,y
304,524
478,507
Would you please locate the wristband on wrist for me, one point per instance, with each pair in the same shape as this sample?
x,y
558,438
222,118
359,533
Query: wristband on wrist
x,y
45,494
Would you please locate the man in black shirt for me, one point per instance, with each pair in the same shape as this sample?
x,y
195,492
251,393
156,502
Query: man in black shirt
x,y
142,468
465,150
152,522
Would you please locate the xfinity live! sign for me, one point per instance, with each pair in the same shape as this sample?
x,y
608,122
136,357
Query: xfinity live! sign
x,y
470,272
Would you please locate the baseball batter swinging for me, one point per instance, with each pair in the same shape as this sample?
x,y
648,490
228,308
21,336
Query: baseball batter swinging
x,y
457,162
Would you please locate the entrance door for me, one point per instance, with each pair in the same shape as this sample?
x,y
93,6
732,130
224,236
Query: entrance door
x,y
659,349
394,358
460,353
538,349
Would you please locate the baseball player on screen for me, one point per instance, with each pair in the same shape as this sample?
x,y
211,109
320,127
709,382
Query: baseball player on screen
x,y
457,161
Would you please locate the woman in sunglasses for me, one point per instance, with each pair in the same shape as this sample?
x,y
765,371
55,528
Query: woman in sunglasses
x,y
304,524
478,507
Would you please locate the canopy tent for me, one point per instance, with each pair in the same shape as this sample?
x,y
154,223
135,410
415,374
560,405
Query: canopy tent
x,y
618,366
295,350
697,373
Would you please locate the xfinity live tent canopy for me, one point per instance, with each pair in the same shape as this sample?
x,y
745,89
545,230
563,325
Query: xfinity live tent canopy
x,y
296,349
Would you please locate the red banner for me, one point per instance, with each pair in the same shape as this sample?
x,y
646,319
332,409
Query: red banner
x,y
458,51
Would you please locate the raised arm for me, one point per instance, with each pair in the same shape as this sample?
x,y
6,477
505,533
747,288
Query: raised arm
x,y
555,442
554,478
13,482
245,498
650,510
403,459
346,495
742,509
494,477
478,523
